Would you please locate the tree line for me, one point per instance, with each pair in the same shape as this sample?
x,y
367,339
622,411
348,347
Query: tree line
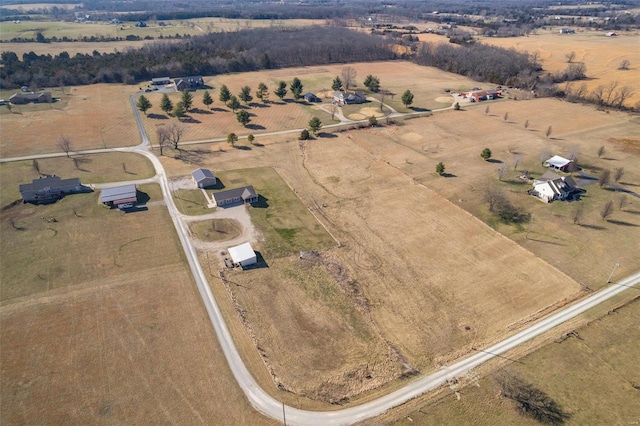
x,y
211,54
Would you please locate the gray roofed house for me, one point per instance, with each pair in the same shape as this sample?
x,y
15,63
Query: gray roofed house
x,y
203,178
25,98
119,195
189,83
244,195
343,98
50,189
310,97
551,186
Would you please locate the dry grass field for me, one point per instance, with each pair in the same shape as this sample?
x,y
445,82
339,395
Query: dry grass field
x,y
96,168
601,55
95,116
73,47
427,85
592,375
101,323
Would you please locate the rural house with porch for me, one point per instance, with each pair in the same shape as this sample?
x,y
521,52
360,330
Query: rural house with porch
x,y
50,188
551,186
244,195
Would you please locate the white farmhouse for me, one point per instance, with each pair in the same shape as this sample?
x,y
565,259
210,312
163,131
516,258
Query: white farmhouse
x,y
550,186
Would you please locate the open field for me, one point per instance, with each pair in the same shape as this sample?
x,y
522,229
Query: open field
x,y
97,168
95,116
88,335
427,85
191,201
602,55
591,375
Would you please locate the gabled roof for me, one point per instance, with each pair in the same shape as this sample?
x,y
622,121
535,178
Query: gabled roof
x,y
558,161
244,193
118,193
52,182
202,174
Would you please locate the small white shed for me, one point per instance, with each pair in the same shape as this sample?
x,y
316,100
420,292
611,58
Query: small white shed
x,y
243,255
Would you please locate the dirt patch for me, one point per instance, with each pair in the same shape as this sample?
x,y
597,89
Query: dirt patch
x,y
444,99
630,145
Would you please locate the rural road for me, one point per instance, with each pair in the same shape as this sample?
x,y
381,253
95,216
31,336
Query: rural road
x,y
273,408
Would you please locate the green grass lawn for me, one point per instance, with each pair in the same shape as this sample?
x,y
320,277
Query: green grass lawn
x,y
287,225
215,229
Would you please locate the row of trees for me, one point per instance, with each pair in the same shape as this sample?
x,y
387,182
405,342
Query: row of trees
x,y
211,54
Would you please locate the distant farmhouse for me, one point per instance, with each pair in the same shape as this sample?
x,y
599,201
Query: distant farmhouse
x,y
567,31
559,163
244,195
50,189
189,83
160,81
484,95
118,195
310,97
25,98
342,98
550,186
203,178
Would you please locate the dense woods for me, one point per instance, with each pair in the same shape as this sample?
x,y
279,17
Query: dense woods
x,y
209,54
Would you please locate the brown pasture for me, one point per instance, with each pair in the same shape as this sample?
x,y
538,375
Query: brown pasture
x,y
601,55
591,374
95,116
101,322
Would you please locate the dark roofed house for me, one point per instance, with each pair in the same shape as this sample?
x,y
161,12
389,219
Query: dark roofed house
x,y
550,186
203,178
310,97
25,98
342,98
244,195
117,195
49,189
189,83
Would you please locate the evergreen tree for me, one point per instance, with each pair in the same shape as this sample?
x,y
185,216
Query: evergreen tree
x,y
440,168
187,100
179,111
407,98
337,84
233,103
245,94
232,139
281,91
206,98
225,94
262,93
315,125
143,104
165,104
486,154
372,83
296,88
243,117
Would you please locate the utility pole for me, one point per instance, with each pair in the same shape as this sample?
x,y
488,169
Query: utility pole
x,y
616,266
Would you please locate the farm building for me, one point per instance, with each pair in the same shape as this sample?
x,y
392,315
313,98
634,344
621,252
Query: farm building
x,y
189,83
244,195
343,98
550,186
119,195
203,178
49,189
243,255
25,98
310,97
160,81
559,163
483,95
567,31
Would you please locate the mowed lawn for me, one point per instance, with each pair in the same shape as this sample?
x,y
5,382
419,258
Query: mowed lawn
x,y
100,321
95,116
96,168
600,54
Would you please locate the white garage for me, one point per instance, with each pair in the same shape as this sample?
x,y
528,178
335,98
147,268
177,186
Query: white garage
x,y
243,255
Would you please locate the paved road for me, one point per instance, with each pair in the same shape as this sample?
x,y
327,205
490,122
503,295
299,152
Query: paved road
x,y
271,407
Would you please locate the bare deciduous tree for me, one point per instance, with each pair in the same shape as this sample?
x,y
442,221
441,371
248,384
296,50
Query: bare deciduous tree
x,y
545,154
502,171
486,110
548,132
577,213
163,138
623,93
601,151
598,94
64,143
348,75
35,166
574,154
606,210
622,202
516,161
526,124
618,173
570,56
609,92
624,65
506,116
604,177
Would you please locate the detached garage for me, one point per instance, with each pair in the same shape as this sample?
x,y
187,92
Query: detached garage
x,y
119,195
243,255
203,178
